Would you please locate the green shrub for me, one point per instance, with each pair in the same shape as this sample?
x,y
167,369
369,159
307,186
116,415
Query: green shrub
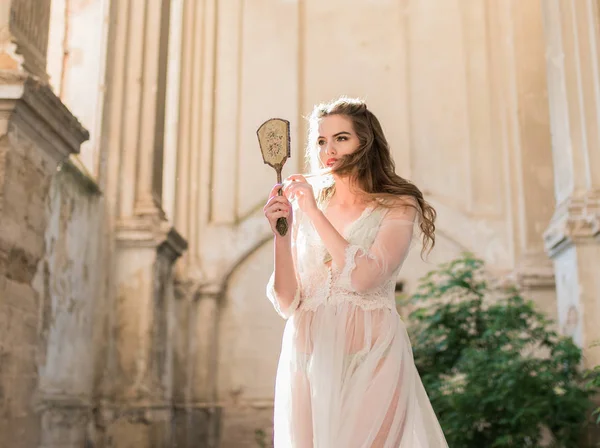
x,y
593,384
495,371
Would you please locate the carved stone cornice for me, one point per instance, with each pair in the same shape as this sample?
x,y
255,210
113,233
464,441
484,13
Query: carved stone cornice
x,y
33,108
150,231
576,221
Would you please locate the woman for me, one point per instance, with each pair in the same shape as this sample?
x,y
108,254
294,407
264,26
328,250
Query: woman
x,y
346,376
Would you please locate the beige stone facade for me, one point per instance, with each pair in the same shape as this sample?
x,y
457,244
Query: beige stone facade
x,y
133,250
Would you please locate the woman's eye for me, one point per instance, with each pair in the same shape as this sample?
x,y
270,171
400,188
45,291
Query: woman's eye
x,y
321,142
342,138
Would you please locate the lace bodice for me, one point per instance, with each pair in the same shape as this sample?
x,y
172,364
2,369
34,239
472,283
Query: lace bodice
x,y
378,242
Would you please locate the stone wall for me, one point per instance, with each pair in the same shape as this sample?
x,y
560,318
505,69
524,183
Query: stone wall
x,y
37,135
70,283
86,291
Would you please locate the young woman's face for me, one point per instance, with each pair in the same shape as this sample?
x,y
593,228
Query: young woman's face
x,y
336,138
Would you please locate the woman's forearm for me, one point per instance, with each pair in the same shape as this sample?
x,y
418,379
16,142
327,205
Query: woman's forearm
x,y
285,283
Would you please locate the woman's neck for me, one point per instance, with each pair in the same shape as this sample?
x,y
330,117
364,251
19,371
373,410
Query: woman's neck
x,y
346,193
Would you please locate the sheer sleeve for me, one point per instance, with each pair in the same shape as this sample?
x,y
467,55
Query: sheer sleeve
x,y
364,270
283,312
272,296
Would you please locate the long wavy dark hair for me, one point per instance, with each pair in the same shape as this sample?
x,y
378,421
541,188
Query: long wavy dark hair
x,y
371,166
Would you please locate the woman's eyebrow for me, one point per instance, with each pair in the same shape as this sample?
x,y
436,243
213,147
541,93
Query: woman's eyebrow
x,y
338,134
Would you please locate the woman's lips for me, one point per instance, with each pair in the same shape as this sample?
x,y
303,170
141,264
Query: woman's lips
x,y
331,162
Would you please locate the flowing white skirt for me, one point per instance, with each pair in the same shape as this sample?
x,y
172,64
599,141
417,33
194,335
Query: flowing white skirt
x,y
347,379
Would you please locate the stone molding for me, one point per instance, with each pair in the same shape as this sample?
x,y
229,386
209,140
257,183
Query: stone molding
x,y
34,108
149,231
109,412
51,400
212,291
576,221
535,270
536,278
213,405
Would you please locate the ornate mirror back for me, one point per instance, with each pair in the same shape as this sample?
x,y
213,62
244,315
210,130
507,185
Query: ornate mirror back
x,y
274,140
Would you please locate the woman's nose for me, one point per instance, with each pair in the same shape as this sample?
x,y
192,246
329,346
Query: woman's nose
x,y
329,149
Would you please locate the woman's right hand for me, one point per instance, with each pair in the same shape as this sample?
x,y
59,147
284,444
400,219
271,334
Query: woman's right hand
x,y
278,207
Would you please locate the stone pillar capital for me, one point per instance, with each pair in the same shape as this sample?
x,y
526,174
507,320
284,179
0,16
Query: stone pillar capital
x,y
150,232
576,221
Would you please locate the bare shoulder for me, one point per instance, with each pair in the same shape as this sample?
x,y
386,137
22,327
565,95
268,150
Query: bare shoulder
x,y
404,208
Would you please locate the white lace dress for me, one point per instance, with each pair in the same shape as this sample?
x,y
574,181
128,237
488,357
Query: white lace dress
x,y
346,375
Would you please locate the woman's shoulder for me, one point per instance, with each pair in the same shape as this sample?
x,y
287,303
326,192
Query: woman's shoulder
x,y
403,208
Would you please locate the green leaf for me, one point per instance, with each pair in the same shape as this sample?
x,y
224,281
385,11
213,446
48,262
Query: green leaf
x,y
494,369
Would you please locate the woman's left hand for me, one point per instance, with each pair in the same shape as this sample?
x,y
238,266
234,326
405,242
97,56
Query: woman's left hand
x,y
298,188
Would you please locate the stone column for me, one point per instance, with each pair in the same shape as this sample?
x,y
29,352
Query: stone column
x,y
135,109
522,134
195,119
573,236
197,412
188,190
138,384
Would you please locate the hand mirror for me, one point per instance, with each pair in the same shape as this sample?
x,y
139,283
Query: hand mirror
x,y
274,140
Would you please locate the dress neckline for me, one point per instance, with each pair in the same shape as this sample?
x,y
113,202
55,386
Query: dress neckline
x,y
349,226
